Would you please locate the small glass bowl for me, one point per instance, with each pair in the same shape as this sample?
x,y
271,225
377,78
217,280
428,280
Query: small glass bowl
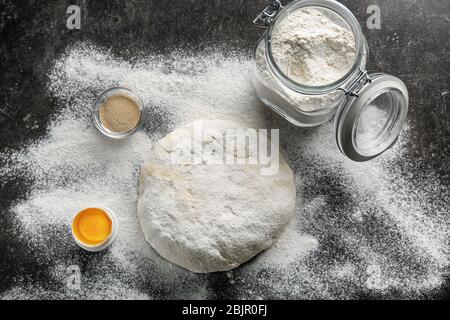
x,y
102,99
107,242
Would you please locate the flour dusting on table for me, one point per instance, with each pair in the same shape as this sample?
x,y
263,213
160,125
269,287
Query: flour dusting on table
x,y
360,228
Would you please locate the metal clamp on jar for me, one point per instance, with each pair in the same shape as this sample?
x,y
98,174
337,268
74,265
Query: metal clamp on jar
x,y
369,109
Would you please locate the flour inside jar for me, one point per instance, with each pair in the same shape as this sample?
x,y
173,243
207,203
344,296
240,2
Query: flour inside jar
x,y
313,47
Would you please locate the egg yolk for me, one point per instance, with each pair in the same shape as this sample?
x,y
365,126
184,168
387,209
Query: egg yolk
x,y
92,226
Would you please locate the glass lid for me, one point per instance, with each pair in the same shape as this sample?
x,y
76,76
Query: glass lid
x,y
368,124
314,46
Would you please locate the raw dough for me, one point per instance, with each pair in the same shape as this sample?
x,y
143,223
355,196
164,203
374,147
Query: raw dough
x,y
210,217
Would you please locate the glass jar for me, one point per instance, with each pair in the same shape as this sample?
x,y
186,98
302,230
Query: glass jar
x,y
369,109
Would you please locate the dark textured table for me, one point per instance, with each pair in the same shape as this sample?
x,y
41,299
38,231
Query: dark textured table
x,y
413,44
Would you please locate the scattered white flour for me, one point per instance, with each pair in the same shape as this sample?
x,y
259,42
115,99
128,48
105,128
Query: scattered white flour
x,y
209,216
372,120
311,49
361,229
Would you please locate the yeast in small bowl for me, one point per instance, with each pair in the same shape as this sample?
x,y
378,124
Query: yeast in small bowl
x,y
118,113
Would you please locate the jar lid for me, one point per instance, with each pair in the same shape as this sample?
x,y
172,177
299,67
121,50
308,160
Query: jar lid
x,y
370,120
292,29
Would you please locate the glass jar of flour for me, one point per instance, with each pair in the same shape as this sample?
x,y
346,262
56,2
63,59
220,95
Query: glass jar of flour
x,y
310,64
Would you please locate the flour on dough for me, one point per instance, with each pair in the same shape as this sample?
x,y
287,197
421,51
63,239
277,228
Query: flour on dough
x,y
207,216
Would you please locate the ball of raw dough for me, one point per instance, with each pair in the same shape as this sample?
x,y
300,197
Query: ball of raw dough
x,y
211,215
